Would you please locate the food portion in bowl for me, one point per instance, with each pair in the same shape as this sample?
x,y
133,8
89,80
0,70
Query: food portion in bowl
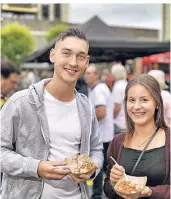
x,y
131,187
81,164
128,187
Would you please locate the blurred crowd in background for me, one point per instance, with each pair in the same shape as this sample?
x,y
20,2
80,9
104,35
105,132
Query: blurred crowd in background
x,y
112,78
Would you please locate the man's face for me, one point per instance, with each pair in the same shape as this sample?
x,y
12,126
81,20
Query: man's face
x,y
70,58
8,84
90,75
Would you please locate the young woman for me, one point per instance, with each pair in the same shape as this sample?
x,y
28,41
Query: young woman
x,y
144,116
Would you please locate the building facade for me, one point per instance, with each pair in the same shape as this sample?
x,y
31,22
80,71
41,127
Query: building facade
x,y
165,33
39,18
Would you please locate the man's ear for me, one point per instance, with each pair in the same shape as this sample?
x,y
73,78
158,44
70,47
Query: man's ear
x,y
88,60
51,55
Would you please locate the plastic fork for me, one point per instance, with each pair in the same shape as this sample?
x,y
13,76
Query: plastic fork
x,y
118,164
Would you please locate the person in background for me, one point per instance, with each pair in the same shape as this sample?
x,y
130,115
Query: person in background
x,y
118,93
9,79
50,121
107,78
81,86
22,83
100,96
145,124
166,96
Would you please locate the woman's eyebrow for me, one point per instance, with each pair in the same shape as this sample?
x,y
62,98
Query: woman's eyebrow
x,y
143,96
135,97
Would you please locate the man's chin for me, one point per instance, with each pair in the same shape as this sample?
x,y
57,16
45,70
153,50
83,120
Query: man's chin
x,y
71,81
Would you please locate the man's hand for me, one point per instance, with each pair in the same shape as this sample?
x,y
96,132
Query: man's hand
x,y
48,170
83,177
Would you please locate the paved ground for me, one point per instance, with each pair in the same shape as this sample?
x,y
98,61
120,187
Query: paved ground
x,y
90,184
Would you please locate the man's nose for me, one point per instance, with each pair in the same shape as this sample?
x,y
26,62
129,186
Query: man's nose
x,y
73,61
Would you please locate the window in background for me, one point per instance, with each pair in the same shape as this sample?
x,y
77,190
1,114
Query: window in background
x,y
45,11
57,11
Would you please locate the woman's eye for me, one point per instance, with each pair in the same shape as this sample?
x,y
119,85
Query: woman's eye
x,y
145,100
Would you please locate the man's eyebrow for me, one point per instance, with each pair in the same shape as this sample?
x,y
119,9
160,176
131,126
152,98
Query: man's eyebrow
x,y
66,49
83,53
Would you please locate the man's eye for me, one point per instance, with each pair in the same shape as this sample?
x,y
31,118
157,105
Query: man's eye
x,y
131,100
66,53
82,57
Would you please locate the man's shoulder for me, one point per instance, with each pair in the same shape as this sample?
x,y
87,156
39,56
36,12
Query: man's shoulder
x,y
101,85
19,94
121,84
83,99
83,96
165,93
101,88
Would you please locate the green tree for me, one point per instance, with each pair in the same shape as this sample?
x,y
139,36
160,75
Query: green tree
x,y
55,31
16,42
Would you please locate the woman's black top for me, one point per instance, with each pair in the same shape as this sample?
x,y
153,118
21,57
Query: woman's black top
x,y
152,164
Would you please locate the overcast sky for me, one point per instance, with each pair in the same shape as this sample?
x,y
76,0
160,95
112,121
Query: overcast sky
x,y
137,15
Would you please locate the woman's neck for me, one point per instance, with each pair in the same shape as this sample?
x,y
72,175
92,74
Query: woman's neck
x,y
61,90
145,131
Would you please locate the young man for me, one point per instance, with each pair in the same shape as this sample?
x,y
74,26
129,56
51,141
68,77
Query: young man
x,y
47,123
9,79
101,98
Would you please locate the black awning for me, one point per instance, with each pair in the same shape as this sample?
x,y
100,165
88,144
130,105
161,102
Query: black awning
x,y
106,45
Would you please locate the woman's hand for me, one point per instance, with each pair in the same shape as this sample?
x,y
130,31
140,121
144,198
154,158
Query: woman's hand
x,y
116,173
146,192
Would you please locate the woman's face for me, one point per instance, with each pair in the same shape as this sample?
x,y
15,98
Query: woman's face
x,y
140,105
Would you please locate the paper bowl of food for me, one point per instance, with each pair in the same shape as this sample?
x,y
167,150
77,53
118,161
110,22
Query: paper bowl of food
x,y
81,164
130,187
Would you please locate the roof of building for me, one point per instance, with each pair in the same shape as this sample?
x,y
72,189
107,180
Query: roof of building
x,y
106,44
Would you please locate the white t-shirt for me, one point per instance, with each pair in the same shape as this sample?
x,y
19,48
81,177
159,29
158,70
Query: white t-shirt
x,y
166,96
65,138
118,94
101,95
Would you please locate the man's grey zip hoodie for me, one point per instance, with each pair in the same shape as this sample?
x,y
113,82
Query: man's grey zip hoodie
x,y
25,141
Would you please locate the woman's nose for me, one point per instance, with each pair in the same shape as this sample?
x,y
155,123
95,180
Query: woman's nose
x,y
137,105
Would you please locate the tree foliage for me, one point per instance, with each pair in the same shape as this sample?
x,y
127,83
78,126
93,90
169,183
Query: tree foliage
x,y
16,41
55,31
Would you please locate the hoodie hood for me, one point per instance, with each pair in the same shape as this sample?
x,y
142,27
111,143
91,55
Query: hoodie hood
x,y
36,92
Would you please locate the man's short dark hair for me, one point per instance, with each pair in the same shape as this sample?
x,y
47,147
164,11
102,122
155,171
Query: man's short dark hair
x,y
73,32
7,68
